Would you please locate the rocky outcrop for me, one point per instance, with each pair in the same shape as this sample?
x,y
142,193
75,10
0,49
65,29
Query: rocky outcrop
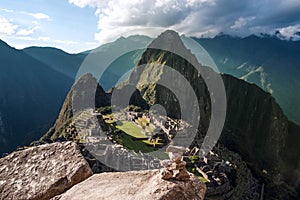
x,y
135,185
42,172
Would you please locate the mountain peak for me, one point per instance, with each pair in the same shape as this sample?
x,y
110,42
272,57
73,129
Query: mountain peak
x,y
169,33
3,44
172,42
168,40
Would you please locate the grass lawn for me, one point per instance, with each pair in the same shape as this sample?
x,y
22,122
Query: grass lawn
x,y
131,129
136,145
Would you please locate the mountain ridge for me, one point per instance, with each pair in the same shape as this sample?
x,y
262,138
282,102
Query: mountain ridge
x,y
27,86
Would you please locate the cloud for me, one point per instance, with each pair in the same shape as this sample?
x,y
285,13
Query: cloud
x,y
26,32
191,17
6,10
289,32
37,16
241,22
83,3
6,27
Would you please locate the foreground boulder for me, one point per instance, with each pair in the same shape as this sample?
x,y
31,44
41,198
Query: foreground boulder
x,y
146,185
42,172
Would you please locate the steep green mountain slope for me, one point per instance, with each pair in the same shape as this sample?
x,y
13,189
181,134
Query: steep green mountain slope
x,y
269,62
30,98
255,125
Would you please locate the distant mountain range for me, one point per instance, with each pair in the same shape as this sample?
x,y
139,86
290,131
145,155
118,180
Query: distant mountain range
x,y
69,64
270,63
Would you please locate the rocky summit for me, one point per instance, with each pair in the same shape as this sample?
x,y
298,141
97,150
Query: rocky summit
x,y
42,172
135,185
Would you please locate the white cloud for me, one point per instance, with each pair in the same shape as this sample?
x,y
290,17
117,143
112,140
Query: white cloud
x,y
6,10
119,17
6,27
26,32
37,16
289,32
190,17
83,3
241,22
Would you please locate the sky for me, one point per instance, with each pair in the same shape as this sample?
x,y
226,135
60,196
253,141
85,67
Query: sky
x,y
78,25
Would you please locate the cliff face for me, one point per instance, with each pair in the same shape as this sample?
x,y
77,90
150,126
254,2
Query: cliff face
x,y
255,125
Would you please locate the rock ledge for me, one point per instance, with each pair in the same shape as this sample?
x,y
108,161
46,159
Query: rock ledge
x,y
135,185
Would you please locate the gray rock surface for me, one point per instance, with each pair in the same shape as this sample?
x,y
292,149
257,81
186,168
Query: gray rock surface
x,y
42,172
135,185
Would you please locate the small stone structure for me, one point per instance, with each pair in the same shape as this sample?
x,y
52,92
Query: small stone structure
x,y
175,167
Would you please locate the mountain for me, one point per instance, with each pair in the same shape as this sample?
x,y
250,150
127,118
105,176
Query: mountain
x,y
32,89
255,126
30,98
124,54
267,61
80,95
65,63
69,64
